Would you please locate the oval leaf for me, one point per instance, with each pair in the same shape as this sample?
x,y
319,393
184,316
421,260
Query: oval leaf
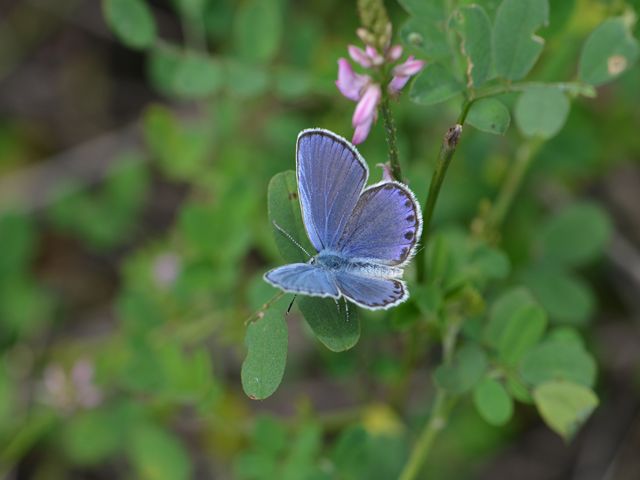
x,y
608,52
566,297
558,360
493,402
576,235
468,366
284,210
433,85
489,115
266,340
515,45
131,21
337,330
474,27
564,406
541,111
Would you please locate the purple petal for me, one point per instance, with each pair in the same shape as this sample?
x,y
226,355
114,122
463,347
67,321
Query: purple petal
x,y
359,56
394,53
373,54
397,83
350,83
362,132
409,67
366,108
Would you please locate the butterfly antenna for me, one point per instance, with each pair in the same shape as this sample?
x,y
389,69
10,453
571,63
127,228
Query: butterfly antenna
x,y
293,240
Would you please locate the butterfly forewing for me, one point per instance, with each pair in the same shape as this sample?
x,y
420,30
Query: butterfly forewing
x,y
385,225
331,175
303,278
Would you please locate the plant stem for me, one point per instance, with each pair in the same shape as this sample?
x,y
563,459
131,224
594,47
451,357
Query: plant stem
x,y
442,406
391,134
512,183
421,449
448,148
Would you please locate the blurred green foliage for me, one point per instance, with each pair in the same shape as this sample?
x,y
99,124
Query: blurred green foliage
x,y
162,396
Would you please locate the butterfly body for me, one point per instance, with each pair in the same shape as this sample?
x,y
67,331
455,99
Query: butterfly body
x,y
364,236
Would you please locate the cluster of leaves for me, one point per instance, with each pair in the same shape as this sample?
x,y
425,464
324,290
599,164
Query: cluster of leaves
x,y
496,47
508,352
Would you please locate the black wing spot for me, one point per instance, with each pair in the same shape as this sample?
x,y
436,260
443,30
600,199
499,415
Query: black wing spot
x,y
389,186
408,235
410,218
407,203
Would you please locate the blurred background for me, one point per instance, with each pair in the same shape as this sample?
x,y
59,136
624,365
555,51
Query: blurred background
x,y
133,237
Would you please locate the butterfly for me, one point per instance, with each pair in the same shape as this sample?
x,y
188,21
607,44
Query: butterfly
x,y
364,237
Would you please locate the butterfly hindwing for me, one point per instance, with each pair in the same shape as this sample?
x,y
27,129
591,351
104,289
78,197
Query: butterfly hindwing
x,y
331,176
303,278
385,225
371,293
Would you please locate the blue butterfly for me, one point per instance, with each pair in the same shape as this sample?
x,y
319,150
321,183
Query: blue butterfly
x,y
364,236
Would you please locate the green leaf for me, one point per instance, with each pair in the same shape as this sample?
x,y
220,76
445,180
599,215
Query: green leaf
x,y
335,329
433,85
131,21
565,297
426,28
474,27
158,455
609,51
468,366
576,235
493,402
541,111
489,115
502,310
97,425
184,74
266,340
489,263
258,30
523,330
515,45
197,76
564,406
558,360
284,210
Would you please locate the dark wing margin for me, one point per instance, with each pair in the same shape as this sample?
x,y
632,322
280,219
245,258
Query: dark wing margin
x,y
331,175
385,226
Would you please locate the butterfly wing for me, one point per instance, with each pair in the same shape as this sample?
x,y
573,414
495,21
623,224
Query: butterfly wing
x,y
303,278
385,225
371,293
331,175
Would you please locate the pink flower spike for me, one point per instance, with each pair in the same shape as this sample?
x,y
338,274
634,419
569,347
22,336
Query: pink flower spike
x,y
394,53
373,54
359,56
350,83
409,67
365,112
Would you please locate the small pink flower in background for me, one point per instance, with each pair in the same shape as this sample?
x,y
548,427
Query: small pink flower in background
x,y
166,269
366,89
69,391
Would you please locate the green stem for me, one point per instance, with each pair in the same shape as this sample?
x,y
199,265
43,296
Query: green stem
x,y
421,449
391,134
448,148
512,183
438,419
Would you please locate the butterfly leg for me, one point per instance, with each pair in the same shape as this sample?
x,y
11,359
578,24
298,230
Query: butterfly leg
x,y
291,304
